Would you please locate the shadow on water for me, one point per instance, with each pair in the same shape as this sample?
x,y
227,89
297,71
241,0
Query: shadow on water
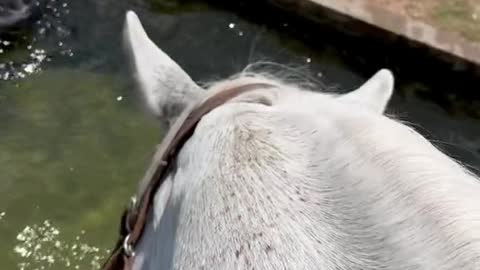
x,y
74,138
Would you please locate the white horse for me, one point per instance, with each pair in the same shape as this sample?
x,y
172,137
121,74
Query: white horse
x,y
285,178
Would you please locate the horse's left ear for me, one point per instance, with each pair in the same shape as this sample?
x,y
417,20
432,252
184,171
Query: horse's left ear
x,y
167,88
374,94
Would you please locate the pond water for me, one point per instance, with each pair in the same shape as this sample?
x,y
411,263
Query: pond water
x,y
75,138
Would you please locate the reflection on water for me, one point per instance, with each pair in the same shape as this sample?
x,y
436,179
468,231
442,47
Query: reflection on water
x,y
71,151
27,48
42,247
74,139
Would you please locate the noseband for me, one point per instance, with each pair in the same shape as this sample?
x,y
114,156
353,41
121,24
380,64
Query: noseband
x,y
134,217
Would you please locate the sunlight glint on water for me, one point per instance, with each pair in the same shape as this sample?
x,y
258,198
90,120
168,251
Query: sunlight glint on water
x,y
40,246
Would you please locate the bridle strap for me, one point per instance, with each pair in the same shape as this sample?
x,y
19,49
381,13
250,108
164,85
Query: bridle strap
x,y
134,218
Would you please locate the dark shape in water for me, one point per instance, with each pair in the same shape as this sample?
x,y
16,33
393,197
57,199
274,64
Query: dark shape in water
x,y
18,14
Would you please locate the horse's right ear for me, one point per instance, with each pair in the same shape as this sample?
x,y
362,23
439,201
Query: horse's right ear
x,y
166,87
374,94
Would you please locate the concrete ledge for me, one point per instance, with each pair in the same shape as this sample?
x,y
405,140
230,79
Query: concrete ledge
x,y
361,10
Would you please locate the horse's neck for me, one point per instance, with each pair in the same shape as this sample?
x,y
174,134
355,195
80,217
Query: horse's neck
x,y
386,153
389,157
423,200
382,193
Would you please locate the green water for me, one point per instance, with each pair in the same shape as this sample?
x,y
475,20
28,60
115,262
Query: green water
x,y
75,139
71,146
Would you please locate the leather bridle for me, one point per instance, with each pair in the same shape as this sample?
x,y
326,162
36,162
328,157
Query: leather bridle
x,y
134,217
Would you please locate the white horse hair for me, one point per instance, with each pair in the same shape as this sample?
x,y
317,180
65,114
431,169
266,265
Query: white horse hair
x,y
286,178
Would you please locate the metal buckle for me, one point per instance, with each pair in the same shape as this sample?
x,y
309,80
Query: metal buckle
x,y
133,202
131,207
128,248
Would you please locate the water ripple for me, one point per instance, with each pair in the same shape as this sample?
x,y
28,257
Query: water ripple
x,y
23,55
41,247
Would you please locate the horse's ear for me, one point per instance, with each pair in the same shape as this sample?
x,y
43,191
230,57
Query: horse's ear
x,y
374,94
166,87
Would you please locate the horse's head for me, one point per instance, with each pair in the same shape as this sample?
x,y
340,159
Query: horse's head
x,y
267,150
285,178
